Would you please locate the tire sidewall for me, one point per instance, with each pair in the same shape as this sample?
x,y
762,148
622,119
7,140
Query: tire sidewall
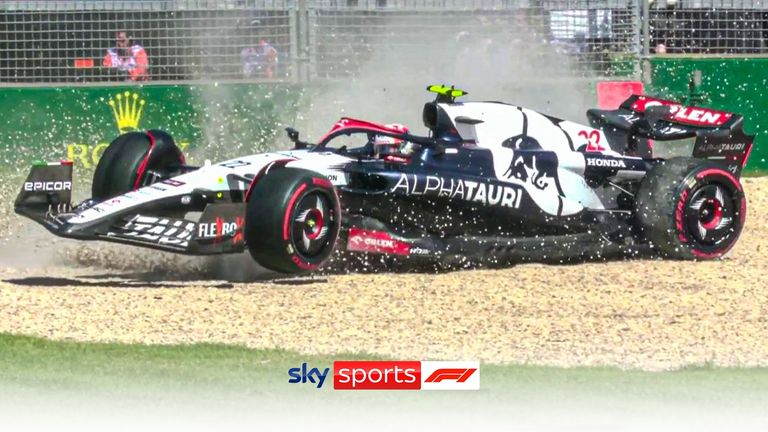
x,y
272,208
118,169
704,175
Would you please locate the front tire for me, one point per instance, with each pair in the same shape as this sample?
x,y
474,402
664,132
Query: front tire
x,y
691,209
292,220
133,160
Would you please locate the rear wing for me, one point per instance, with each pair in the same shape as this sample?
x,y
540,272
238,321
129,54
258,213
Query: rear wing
x,y
719,135
674,112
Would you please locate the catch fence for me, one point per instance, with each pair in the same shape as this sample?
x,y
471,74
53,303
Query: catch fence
x,y
303,40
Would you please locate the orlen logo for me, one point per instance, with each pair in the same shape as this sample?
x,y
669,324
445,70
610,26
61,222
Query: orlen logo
x,y
406,375
376,242
382,243
687,115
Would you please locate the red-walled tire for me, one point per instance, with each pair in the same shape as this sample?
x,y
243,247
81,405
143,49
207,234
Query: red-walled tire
x,y
691,209
133,160
292,220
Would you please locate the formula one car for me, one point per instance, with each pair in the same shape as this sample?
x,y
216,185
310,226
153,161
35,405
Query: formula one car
x,y
491,181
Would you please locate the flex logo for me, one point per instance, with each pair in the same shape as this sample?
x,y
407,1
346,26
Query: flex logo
x,y
304,375
221,228
127,109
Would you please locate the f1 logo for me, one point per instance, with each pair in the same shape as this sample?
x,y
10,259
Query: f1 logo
x,y
406,375
450,375
458,375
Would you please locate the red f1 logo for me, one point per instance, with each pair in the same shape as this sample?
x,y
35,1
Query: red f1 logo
x,y
458,375
450,375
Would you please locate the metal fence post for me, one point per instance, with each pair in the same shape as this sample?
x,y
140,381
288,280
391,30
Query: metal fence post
x,y
293,28
645,65
310,47
637,43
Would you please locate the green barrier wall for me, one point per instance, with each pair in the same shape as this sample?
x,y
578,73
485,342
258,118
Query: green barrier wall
x,y
730,84
212,121
227,120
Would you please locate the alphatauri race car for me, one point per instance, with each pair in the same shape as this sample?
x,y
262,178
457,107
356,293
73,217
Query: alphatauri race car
x,y
490,181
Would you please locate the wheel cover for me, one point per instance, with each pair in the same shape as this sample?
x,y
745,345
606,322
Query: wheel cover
x,y
711,214
312,222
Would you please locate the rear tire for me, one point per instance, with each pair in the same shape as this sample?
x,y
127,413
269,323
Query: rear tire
x,y
133,160
292,220
690,209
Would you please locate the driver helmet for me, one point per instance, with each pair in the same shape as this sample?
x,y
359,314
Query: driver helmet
x,y
388,145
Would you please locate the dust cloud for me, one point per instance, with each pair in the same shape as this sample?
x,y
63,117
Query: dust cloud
x,y
491,61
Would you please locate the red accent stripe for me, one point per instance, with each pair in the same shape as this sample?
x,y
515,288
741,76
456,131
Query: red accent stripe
x,y
219,229
346,123
260,174
321,182
238,238
716,218
319,227
362,240
143,165
710,255
746,156
743,213
721,172
289,210
716,254
303,264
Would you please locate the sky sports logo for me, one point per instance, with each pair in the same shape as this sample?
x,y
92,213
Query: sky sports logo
x,y
392,375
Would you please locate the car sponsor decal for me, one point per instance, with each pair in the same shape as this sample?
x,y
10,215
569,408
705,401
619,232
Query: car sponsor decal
x,y
361,240
538,169
162,231
593,141
173,182
47,186
222,228
605,163
695,116
485,193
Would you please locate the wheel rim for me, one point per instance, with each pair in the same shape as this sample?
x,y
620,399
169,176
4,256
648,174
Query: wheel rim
x,y
711,214
312,224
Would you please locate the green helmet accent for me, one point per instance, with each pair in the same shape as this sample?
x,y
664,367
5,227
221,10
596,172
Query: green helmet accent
x,y
444,90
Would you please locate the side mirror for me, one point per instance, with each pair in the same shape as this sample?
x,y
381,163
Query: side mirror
x,y
293,135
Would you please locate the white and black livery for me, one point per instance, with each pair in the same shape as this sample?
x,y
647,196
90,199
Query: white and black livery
x,y
491,181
